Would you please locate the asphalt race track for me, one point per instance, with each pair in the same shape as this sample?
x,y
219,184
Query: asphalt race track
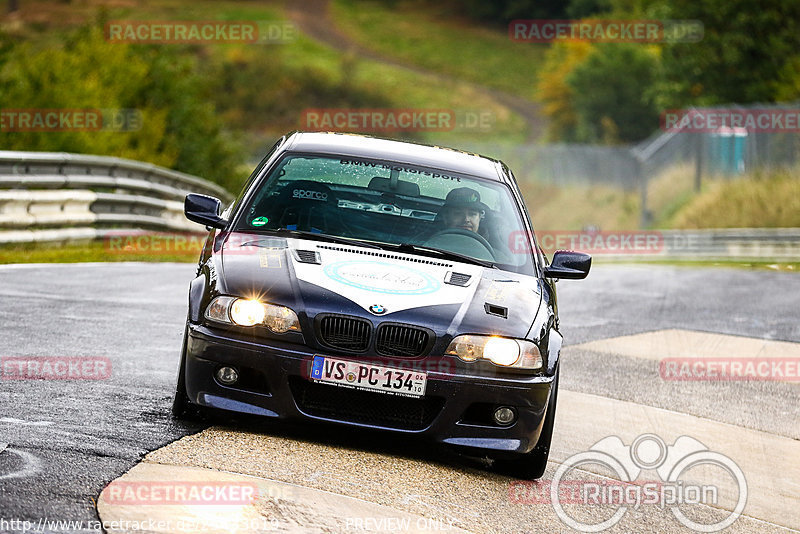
x,y
63,441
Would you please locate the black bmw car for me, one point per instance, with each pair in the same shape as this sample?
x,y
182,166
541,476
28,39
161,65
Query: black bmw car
x,y
373,283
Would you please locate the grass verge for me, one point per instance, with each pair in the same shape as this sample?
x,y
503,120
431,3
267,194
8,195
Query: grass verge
x,y
769,199
99,251
90,251
762,265
430,37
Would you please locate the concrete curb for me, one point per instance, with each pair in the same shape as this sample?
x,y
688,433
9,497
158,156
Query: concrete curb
x,y
145,500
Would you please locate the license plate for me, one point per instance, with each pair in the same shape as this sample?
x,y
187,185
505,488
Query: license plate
x,y
368,377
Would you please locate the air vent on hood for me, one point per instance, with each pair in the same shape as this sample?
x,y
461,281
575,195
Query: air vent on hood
x,y
307,256
457,279
494,309
385,255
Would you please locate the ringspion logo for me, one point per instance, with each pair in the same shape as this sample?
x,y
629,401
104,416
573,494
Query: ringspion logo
x,y
677,486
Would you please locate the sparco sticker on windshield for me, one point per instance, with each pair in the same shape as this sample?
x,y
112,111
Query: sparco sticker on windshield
x,y
310,195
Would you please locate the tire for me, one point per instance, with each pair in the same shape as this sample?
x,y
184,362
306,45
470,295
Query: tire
x,y
532,465
182,408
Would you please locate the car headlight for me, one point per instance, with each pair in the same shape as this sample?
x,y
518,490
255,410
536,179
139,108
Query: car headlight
x,y
248,312
502,351
251,312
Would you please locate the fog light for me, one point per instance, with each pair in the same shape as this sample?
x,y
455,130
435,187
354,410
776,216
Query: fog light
x,y
504,415
228,376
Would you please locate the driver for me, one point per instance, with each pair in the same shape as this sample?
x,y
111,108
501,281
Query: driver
x,y
463,209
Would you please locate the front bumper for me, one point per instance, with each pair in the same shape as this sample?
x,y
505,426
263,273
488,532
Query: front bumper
x,y
456,408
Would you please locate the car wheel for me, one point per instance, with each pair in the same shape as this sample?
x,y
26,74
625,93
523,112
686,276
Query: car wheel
x,y
531,466
182,408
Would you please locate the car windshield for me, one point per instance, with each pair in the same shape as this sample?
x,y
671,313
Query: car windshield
x,y
392,205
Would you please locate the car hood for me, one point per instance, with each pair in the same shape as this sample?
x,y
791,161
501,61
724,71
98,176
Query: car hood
x,y
314,277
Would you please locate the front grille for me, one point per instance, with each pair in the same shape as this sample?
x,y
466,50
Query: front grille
x,y
345,333
401,340
365,407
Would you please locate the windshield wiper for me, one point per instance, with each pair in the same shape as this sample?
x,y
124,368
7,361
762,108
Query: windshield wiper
x,y
455,256
403,247
324,237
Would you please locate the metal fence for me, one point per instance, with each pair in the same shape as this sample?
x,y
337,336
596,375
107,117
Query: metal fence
x,y
48,196
712,152
566,164
723,151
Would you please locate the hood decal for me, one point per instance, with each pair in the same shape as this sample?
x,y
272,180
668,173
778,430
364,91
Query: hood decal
x,y
396,285
382,277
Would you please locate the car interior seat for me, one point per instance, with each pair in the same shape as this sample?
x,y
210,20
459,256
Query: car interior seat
x,y
303,205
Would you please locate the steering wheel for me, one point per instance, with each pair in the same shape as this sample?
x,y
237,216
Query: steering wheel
x,y
468,233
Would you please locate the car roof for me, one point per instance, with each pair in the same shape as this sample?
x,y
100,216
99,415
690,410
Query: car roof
x,y
402,151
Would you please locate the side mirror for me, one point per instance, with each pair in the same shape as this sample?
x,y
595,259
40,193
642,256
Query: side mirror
x,y
569,265
204,210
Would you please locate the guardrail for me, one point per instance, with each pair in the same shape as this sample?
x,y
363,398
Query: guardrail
x,y
735,244
47,196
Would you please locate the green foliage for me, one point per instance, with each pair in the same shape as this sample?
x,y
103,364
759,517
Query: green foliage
x,y
748,202
749,53
431,38
611,93
204,148
578,9
179,128
556,94
249,92
501,12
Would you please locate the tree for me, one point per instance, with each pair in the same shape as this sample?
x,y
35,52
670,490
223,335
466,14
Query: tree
x,y
556,95
747,54
613,93
178,128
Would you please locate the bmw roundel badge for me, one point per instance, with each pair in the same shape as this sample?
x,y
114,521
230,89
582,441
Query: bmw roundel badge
x,y
377,309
